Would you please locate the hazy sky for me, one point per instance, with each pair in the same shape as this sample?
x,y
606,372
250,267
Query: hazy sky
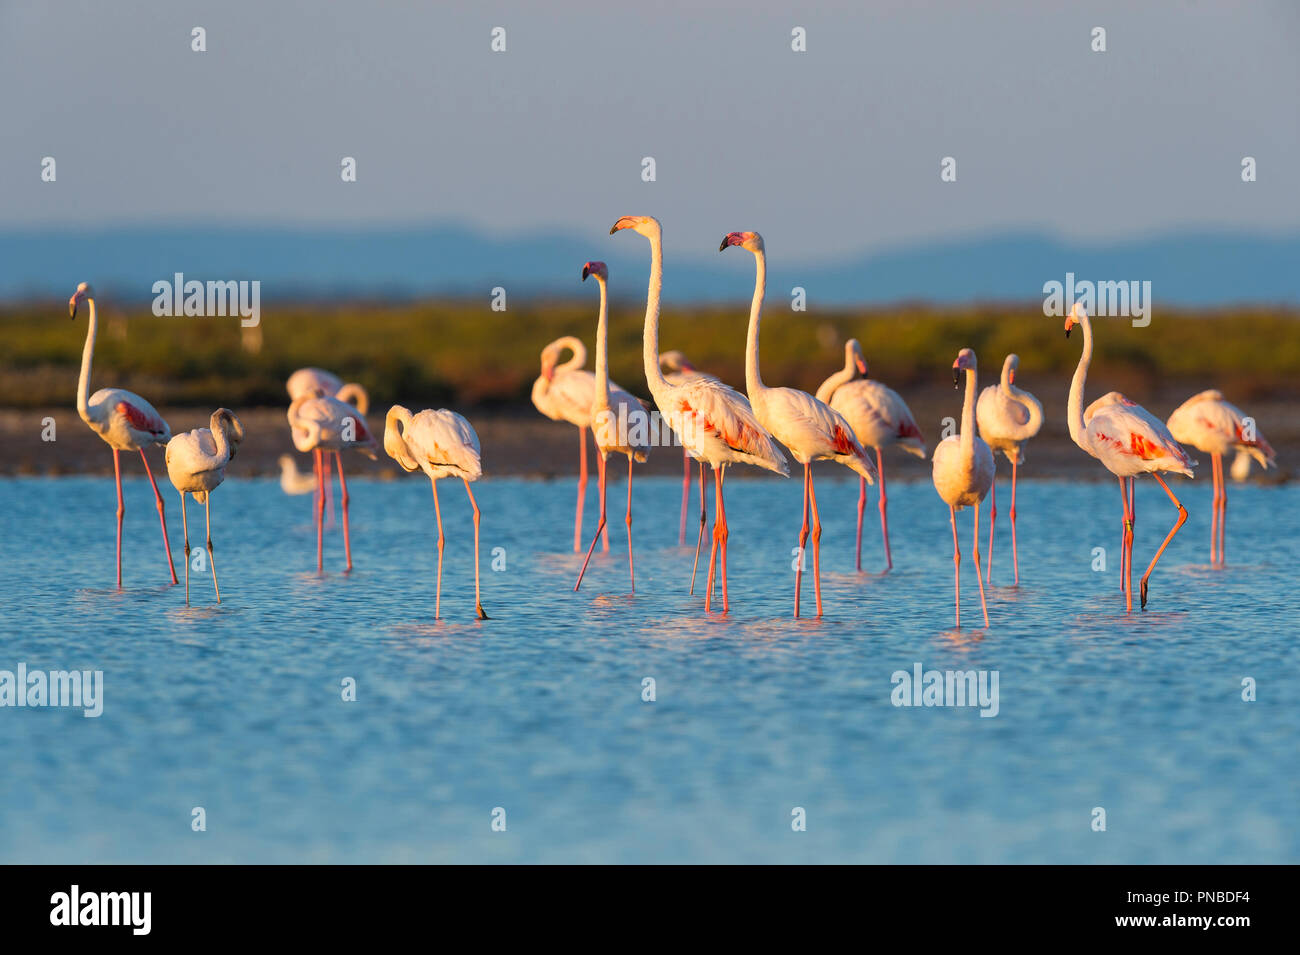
x,y
835,150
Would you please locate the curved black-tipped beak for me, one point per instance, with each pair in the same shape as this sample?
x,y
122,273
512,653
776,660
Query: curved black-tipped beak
x,y
613,228
72,310
586,271
723,247
1067,333
956,377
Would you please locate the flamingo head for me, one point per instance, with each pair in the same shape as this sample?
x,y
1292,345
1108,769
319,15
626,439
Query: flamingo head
x,y
646,225
1009,368
676,361
83,291
965,362
598,269
225,419
853,356
746,240
1076,317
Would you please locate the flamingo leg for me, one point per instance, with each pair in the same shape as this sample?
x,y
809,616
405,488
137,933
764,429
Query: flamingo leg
x,y
167,545
817,542
320,512
1182,516
956,562
713,549
862,506
582,489
478,599
1223,515
993,520
602,466
884,520
343,500
803,543
315,497
699,540
723,535
686,496
329,503
600,470
1216,476
1126,525
121,511
1015,550
185,529
1128,553
983,604
631,566
207,509
442,543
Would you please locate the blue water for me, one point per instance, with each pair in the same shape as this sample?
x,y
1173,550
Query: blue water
x,y
238,708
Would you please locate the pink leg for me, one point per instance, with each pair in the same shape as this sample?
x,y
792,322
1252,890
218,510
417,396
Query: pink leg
x,y
343,500
167,545
478,598
631,567
1182,516
1125,518
723,534
601,465
320,512
803,544
862,506
1015,552
956,562
329,503
699,540
442,542
1214,511
713,549
1223,515
121,511
600,469
686,496
817,541
884,521
582,489
993,519
980,580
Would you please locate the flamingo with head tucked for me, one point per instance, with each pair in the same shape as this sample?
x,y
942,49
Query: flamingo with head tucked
x,y
811,429
441,444
612,433
314,383
963,473
715,423
1129,441
879,418
124,420
1008,417
1211,424
196,464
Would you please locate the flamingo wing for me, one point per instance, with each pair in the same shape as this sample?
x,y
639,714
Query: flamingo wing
x,y
1126,430
706,408
446,440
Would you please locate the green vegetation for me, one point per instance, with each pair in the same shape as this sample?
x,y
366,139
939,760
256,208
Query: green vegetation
x,y
465,355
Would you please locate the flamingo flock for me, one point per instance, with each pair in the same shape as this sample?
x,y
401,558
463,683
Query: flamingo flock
x,y
851,420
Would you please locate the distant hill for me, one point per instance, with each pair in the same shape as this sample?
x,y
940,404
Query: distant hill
x,y
1188,269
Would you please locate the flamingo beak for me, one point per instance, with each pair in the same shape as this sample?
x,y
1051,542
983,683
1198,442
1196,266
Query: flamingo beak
x,y
1067,330
956,376
585,272
862,366
1011,378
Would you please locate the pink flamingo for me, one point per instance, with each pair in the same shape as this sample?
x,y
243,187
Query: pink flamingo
x,y
441,444
313,383
715,423
1008,417
321,425
1129,441
879,418
963,473
565,393
1209,423
679,370
811,429
124,420
611,433
196,464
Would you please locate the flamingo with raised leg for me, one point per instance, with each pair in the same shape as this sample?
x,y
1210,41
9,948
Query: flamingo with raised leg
x,y
679,370
196,464
1211,424
441,444
1129,441
879,418
321,425
124,420
811,429
715,423
963,473
1008,417
612,434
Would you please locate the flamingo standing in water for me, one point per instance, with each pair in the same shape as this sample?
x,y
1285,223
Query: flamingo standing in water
x,y
1209,423
1008,417
963,473
324,424
1129,441
715,423
879,418
314,383
196,464
679,370
124,420
612,434
811,429
441,444
565,393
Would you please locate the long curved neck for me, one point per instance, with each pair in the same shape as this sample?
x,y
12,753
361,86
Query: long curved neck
x,y
753,380
837,381
968,416
602,350
654,375
218,425
87,358
579,353
1074,413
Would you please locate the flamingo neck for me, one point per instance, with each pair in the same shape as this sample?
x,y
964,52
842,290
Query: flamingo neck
x,y
1074,413
836,381
753,380
968,417
602,350
87,358
654,375
218,425
579,350
1008,389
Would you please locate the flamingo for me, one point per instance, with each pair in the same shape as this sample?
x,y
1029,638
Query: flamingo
x,y
124,420
963,473
565,393
715,423
313,383
879,418
293,481
1211,424
323,424
611,433
1008,417
678,371
811,429
441,444
1129,441
196,463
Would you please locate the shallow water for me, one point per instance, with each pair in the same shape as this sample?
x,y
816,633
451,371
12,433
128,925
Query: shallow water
x,y
539,710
